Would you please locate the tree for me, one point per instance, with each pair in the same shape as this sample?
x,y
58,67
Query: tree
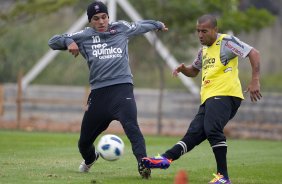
x,y
180,16
25,11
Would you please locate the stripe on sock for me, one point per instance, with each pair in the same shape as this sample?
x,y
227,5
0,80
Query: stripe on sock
x,y
222,143
183,145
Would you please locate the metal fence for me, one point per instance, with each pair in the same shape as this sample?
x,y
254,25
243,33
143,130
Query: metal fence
x,y
64,104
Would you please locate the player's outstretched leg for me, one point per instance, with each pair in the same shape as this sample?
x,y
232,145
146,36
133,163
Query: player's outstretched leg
x,y
158,161
85,168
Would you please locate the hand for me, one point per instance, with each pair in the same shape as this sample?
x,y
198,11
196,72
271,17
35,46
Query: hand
x,y
180,68
254,89
164,28
73,49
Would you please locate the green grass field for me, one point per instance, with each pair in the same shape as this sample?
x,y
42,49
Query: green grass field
x,y
36,157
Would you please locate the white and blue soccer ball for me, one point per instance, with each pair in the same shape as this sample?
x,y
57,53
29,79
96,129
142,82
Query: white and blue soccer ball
x,y
110,147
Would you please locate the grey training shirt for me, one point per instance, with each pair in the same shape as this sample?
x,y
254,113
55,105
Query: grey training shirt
x,y
106,53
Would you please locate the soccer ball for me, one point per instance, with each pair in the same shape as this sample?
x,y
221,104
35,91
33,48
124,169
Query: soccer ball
x,y
110,147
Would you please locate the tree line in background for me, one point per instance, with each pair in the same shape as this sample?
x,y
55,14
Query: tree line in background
x,y
25,27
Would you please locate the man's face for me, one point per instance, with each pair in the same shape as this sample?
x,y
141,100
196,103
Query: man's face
x,y
100,22
206,33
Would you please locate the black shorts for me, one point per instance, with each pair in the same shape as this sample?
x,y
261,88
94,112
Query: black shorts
x,y
106,104
212,117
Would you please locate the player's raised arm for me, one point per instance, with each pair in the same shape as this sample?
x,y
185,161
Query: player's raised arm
x,y
143,26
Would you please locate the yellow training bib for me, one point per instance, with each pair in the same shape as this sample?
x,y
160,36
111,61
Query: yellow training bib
x,y
217,79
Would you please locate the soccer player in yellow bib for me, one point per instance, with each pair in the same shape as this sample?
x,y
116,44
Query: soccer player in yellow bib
x,y
221,95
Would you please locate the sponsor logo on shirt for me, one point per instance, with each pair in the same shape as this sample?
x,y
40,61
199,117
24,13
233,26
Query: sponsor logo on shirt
x,y
234,49
113,31
130,26
208,62
233,40
206,83
102,51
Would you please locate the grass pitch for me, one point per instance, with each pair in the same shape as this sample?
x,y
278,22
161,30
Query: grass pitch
x,y
53,158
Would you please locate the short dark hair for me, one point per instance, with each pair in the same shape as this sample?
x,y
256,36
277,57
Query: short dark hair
x,y
208,17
